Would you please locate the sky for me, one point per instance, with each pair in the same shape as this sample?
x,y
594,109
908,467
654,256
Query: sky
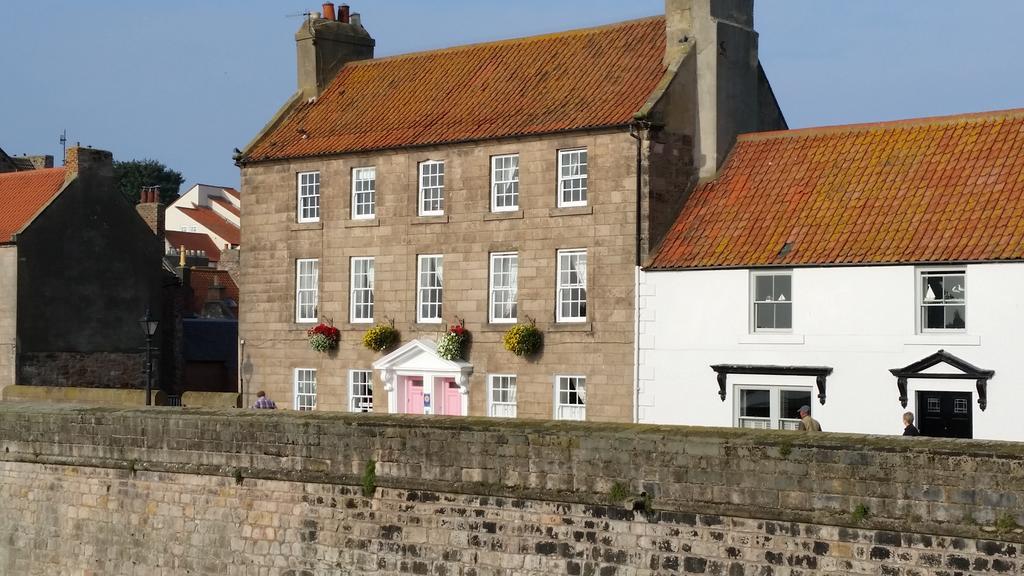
x,y
187,81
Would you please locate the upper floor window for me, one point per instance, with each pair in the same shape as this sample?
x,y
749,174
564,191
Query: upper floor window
x,y
309,196
307,272
431,188
770,407
943,300
572,177
502,396
364,193
504,287
505,183
305,389
429,287
570,398
362,290
360,387
571,300
773,301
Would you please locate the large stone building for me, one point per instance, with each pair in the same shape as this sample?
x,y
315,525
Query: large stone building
x,y
515,181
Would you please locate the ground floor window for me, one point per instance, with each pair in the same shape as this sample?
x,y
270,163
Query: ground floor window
x,y
305,389
360,385
570,398
770,407
502,396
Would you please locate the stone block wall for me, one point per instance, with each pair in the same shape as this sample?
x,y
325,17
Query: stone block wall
x,y
101,491
121,370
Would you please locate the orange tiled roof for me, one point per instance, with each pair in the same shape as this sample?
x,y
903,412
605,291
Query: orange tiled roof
x,y
926,190
214,223
23,195
226,205
193,241
201,280
231,192
597,77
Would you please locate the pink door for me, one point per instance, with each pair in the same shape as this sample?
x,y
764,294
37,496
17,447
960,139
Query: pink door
x,y
414,396
452,398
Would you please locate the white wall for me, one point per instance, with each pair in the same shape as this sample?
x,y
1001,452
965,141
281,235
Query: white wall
x,y
199,195
861,321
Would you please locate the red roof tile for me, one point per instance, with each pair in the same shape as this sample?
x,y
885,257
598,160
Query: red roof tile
x,y
23,195
193,241
231,192
597,77
201,280
214,223
924,190
226,205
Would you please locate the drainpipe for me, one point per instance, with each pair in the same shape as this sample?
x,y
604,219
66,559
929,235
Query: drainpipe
x,y
636,130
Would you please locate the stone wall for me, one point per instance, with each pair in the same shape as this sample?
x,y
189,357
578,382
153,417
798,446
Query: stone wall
x,y
86,369
99,491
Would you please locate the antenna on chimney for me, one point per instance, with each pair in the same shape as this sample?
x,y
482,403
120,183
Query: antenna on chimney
x,y
64,143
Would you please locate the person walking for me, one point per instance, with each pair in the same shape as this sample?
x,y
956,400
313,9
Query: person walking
x,y
908,425
263,402
807,423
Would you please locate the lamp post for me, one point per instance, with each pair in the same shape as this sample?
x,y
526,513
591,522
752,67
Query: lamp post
x,y
148,325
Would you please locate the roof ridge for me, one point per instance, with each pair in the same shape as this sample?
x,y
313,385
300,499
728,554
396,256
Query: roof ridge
x,y
517,39
886,124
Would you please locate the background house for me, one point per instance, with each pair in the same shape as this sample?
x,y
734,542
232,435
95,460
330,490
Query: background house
x,y
203,210
862,270
513,181
69,308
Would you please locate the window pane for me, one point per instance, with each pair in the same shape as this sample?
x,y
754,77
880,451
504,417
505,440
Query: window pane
x,y
934,317
953,288
932,288
783,291
791,401
955,317
764,316
755,404
763,289
783,316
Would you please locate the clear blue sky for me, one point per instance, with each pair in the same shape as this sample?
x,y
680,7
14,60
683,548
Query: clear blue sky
x,y
186,81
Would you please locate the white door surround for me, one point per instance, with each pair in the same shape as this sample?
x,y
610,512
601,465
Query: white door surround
x,y
418,358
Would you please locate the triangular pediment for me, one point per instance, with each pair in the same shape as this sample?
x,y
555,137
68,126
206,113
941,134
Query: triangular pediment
x,y
420,355
942,364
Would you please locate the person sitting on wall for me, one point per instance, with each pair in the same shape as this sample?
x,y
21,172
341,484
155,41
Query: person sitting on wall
x,y
806,422
263,402
908,423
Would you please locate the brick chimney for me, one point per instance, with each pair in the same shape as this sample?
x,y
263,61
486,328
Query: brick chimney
x,y
324,45
151,209
88,162
720,35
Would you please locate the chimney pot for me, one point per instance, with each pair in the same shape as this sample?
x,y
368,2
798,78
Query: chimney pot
x,y
356,20
328,8
343,12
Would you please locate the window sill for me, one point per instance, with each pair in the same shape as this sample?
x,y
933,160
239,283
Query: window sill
x,y
306,226
571,327
441,219
496,327
362,223
512,215
930,339
771,339
571,211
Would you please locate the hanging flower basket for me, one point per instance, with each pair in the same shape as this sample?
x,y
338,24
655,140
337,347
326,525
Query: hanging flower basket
x,y
523,339
323,337
450,345
380,337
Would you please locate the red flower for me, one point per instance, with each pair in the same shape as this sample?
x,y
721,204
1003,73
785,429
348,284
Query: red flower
x,y
457,330
332,333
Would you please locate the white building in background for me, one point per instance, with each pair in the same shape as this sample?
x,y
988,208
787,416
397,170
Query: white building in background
x,y
861,270
213,211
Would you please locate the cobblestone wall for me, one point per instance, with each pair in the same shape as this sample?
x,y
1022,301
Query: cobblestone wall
x,y
100,491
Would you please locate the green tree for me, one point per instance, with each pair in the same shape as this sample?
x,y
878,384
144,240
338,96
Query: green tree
x,y
133,175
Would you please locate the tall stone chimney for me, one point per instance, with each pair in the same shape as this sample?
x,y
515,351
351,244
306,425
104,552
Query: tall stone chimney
x,y
721,32
88,162
152,210
326,44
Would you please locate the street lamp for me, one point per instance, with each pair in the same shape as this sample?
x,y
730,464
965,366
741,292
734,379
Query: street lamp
x,y
148,325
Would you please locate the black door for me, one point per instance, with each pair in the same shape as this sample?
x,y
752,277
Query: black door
x,y
944,414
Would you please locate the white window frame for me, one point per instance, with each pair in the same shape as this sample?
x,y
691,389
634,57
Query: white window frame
x,y
422,291
560,287
308,190
512,290
774,421
305,400
299,291
502,408
361,381
919,284
356,289
754,275
512,181
437,184
360,178
567,411
565,176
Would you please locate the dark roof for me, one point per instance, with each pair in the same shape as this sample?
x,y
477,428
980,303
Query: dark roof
x,y
580,79
947,189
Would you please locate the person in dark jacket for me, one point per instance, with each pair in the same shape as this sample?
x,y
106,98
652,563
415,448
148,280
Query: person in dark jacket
x,y
908,423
